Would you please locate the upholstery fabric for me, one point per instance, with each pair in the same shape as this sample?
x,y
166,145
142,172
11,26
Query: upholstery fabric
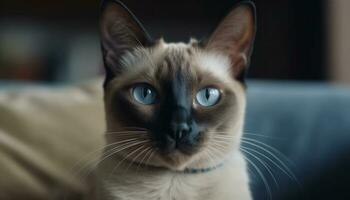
x,y
309,123
44,132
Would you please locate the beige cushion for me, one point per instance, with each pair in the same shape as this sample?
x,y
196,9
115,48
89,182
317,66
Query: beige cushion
x,y
44,133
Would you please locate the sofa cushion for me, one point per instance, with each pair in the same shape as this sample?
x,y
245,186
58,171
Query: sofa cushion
x,y
309,123
44,131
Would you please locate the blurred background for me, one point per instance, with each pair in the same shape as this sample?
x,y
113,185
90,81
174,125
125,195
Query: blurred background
x,y
305,41
58,40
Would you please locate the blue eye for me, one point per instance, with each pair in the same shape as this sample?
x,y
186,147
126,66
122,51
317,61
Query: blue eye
x,y
144,94
208,96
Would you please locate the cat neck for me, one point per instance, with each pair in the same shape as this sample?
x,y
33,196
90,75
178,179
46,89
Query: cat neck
x,y
196,167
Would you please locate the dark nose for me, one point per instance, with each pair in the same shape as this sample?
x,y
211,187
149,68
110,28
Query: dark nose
x,y
179,123
180,130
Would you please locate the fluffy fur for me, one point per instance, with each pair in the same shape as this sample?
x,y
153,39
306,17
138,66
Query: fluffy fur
x,y
136,165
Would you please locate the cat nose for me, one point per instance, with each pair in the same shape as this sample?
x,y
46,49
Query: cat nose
x,y
179,123
182,136
181,130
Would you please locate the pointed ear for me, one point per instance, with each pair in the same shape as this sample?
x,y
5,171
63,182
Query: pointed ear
x,y
120,32
234,37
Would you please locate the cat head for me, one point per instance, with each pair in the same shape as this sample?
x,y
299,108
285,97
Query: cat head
x,y
175,105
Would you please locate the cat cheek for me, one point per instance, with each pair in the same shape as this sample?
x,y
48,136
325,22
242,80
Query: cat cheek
x,y
139,112
127,111
145,112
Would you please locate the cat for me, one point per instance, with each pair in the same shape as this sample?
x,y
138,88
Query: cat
x,y
174,111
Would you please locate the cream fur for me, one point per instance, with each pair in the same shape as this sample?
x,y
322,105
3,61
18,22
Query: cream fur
x,y
227,182
128,181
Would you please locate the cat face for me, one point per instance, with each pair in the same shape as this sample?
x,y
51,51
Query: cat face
x,y
175,105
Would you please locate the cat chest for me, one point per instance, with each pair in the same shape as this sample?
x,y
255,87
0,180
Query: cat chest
x,y
161,188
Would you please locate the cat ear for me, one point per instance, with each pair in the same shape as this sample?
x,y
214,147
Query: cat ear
x,y
234,37
120,32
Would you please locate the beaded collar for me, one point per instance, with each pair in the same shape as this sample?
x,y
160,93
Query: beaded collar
x,y
201,170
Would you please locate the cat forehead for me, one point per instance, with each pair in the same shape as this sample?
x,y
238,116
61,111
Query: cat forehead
x,y
188,57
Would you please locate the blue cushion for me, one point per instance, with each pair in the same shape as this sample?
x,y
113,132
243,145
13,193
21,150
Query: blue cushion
x,y
309,123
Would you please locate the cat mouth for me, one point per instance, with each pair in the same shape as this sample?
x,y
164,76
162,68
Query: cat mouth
x,y
176,160
176,154
187,146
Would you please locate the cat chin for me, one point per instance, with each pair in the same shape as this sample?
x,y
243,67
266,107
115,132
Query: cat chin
x,y
176,160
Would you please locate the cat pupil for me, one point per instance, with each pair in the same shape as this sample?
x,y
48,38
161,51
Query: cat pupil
x,y
207,93
146,92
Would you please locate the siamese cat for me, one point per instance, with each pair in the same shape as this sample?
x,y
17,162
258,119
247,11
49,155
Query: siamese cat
x,y
174,111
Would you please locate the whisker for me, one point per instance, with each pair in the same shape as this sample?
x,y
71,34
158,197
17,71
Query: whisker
x,y
85,164
125,159
224,136
150,156
134,127
246,133
126,136
270,147
284,168
223,143
138,155
128,132
210,156
99,150
269,159
123,136
219,132
144,157
125,146
113,151
267,167
290,174
220,146
133,160
223,140
261,135
266,184
217,152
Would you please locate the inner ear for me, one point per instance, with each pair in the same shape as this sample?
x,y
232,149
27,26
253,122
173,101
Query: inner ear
x,y
120,32
234,37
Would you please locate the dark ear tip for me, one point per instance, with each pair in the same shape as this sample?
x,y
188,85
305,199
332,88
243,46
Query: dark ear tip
x,y
104,4
252,7
249,4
